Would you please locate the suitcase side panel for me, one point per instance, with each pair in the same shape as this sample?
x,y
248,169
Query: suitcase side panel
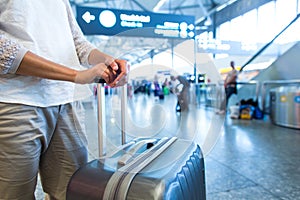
x,y
184,179
89,182
191,179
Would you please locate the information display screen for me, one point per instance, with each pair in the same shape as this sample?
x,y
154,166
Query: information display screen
x,y
102,21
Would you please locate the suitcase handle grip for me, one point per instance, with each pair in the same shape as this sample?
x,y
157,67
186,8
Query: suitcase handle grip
x,y
120,148
99,80
138,146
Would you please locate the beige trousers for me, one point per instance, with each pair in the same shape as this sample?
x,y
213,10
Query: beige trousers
x,y
50,141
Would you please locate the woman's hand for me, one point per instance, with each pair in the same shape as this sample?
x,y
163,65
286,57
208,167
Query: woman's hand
x,y
114,73
122,73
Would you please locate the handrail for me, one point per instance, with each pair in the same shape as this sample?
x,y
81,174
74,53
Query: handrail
x,y
274,82
268,44
252,82
264,88
207,95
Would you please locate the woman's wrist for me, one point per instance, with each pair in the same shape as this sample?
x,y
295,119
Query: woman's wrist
x,y
34,65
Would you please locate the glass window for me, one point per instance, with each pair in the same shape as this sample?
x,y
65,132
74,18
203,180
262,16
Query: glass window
x,y
236,26
266,22
291,34
286,10
224,32
248,28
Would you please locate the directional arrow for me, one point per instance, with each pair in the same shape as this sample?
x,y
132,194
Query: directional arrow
x,y
87,17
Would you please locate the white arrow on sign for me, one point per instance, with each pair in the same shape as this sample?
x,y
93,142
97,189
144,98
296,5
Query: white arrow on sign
x,y
87,17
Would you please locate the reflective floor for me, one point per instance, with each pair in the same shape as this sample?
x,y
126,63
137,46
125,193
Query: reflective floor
x,y
254,160
244,159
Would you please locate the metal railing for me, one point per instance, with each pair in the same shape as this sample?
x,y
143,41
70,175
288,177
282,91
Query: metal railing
x,y
214,93
208,91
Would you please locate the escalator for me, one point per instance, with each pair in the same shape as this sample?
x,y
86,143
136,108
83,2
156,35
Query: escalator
x,y
281,47
280,81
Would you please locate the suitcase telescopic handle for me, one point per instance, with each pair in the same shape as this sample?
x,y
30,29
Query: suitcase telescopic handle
x,y
102,115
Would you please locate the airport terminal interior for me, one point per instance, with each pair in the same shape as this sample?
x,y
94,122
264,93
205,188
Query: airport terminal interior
x,y
251,151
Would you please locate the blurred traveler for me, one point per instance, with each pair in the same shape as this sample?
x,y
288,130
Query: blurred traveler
x,y
182,92
166,86
230,84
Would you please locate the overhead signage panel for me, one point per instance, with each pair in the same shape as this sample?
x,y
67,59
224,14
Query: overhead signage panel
x,y
100,21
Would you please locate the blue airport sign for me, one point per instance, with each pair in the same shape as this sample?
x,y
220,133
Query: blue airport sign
x,y
102,21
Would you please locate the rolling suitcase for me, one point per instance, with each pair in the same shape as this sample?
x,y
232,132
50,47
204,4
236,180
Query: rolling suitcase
x,y
144,168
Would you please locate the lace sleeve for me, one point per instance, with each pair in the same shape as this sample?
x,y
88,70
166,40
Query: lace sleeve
x,y
11,55
83,46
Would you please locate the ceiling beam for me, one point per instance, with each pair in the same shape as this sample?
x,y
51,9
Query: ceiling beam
x,y
236,9
140,5
214,10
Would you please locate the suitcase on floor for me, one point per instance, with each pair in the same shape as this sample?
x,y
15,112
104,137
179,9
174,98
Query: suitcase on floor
x,y
144,168
168,168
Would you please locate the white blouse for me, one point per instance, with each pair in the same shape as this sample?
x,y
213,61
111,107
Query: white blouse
x,y
48,29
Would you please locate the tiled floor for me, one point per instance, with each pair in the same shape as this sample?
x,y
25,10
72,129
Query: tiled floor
x,y
254,160
244,159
